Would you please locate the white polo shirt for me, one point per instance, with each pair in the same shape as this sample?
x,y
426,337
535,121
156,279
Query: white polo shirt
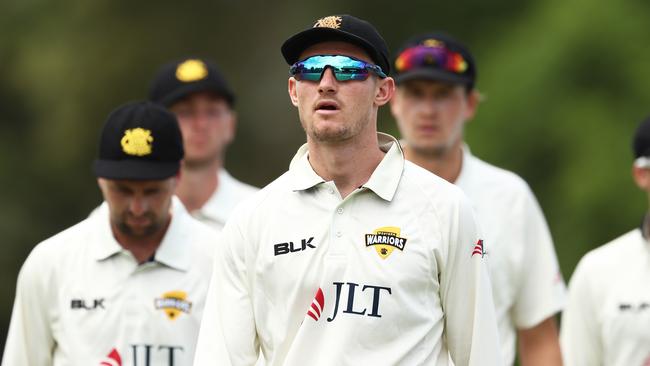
x,y
82,300
607,317
526,280
230,192
393,274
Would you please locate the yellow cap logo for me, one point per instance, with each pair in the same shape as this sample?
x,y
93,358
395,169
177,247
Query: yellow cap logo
x,y
191,70
385,240
173,303
137,141
432,43
329,22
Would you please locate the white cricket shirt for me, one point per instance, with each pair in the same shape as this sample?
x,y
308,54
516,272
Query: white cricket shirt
x,y
230,192
527,285
607,317
82,300
393,274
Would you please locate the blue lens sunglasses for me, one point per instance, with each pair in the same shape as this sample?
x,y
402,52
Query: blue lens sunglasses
x,y
344,68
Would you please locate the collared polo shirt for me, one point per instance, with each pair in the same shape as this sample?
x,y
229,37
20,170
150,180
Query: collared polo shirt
x,y
230,192
393,274
526,281
83,300
607,317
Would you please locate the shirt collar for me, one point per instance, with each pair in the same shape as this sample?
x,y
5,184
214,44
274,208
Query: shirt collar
x,y
383,181
172,251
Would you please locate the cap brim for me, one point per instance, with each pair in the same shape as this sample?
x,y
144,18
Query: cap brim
x,y
188,89
433,75
294,46
135,169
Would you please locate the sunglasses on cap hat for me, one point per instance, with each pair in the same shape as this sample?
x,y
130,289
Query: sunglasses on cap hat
x,y
344,68
438,56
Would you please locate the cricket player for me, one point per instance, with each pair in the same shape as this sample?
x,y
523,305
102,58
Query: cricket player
x,y
197,93
436,96
126,286
354,256
607,317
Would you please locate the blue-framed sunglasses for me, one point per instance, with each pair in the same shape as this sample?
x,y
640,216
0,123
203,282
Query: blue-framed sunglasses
x,y
344,68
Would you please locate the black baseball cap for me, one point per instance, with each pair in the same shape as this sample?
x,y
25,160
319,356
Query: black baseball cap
x,y
641,141
344,28
139,141
435,56
178,79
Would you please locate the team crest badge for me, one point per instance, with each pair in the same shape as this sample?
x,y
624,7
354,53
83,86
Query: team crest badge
x,y
173,303
137,141
191,70
385,240
329,22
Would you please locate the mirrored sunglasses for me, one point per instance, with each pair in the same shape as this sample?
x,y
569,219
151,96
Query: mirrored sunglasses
x,y
439,57
344,68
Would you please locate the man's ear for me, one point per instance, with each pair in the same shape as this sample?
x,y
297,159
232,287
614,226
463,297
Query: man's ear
x,y
385,91
473,100
641,178
293,83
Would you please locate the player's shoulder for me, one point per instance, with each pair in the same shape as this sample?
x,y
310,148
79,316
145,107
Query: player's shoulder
x,y
268,196
198,237
422,181
64,245
239,189
615,253
490,176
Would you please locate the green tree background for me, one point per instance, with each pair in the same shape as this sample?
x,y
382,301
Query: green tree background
x,y
565,85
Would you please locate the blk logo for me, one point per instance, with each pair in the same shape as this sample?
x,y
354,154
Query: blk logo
x,y
82,304
290,247
627,307
348,303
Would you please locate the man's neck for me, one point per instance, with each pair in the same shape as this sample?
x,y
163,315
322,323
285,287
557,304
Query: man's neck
x,y
141,248
349,164
446,165
197,184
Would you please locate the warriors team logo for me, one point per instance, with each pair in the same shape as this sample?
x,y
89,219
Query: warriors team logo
x,y
329,22
385,240
191,70
137,141
173,303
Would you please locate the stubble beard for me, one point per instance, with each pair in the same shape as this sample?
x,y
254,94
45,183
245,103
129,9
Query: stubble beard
x,y
148,231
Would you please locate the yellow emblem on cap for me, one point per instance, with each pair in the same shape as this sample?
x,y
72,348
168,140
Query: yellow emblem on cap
x,y
385,240
329,22
173,303
432,43
191,70
137,141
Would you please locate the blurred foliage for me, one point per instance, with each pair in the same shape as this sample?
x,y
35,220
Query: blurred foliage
x,y
564,85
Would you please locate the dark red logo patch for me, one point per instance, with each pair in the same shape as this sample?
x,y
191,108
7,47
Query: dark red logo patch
x,y
478,248
113,359
317,305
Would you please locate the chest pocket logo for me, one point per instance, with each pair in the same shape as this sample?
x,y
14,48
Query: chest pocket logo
x,y
385,240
